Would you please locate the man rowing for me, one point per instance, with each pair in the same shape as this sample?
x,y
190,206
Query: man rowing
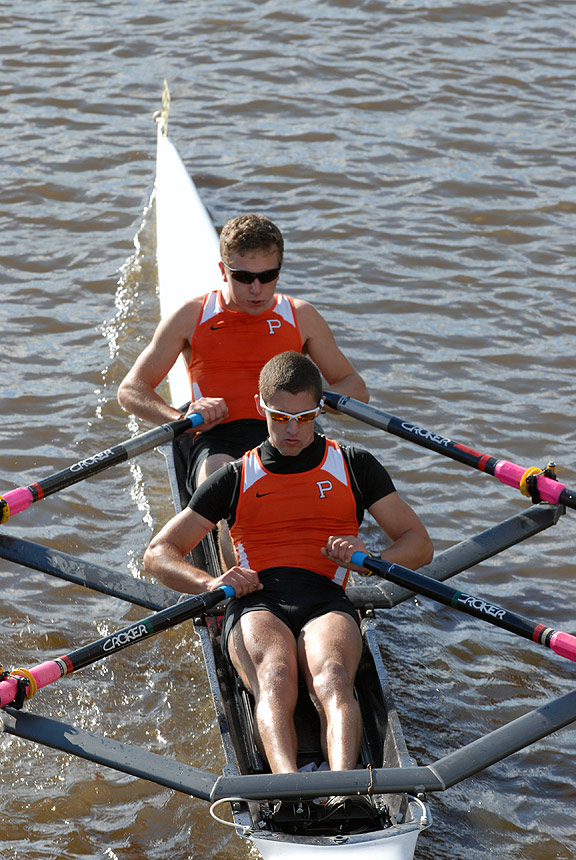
x,y
225,337
294,505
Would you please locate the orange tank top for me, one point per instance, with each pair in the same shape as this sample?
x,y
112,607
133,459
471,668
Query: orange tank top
x,y
284,520
229,348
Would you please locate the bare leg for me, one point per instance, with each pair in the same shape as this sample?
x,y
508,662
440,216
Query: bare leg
x,y
210,465
263,651
329,651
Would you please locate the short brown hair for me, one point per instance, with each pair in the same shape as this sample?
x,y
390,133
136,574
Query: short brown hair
x,y
290,371
247,233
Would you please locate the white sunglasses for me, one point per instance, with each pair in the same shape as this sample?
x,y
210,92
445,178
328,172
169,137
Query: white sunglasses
x,y
284,417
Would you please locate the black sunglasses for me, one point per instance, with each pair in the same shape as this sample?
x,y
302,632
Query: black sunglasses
x,y
245,277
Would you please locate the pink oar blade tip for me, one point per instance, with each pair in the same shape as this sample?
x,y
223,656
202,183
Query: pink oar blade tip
x,y
18,500
564,644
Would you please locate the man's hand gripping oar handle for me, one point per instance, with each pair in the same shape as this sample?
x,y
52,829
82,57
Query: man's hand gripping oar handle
x,y
21,498
563,644
22,684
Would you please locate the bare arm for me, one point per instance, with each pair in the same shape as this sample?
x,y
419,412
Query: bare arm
x,y
165,558
137,393
411,545
320,345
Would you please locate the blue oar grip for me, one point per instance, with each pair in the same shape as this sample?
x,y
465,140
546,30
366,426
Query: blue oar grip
x,y
195,419
358,558
228,590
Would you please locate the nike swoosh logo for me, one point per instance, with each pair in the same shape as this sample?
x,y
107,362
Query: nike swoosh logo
x,y
259,495
218,327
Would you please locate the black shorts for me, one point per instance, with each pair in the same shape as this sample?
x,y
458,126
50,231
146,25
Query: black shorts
x,y
233,438
293,595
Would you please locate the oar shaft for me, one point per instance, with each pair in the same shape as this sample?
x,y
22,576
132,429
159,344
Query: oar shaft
x,y
51,670
21,498
561,643
508,473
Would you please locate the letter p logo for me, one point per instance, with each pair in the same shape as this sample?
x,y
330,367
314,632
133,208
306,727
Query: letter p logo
x,y
324,487
273,325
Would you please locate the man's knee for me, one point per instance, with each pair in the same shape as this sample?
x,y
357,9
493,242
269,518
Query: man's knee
x,y
332,681
277,685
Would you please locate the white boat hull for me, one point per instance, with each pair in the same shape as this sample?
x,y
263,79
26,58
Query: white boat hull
x,y
399,843
188,256
187,246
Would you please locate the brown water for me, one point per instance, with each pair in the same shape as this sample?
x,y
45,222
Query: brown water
x,y
420,159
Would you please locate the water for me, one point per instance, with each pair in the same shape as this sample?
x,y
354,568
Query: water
x,y
420,160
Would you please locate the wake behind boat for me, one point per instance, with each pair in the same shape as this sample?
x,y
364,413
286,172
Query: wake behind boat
x,y
279,813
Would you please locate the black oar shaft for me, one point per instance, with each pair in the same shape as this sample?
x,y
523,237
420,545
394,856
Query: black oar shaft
x,y
412,432
142,629
51,670
95,463
548,489
562,643
21,498
443,593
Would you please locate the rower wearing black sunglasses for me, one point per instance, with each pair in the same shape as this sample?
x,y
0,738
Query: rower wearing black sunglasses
x,y
245,277
226,336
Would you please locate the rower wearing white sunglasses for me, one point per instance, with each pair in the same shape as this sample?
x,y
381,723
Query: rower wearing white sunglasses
x,y
294,505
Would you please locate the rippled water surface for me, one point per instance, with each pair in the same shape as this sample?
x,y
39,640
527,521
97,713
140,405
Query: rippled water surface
x,y
420,159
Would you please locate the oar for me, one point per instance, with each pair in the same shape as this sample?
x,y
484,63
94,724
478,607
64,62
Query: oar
x,y
561,643
106,580
106,751
12,687
21,498
547,489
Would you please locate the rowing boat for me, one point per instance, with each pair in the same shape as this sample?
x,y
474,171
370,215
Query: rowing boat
x,y
276,828
277,813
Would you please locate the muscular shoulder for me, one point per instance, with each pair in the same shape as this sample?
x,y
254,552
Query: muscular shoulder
x,y
173,334
372,479
311,323
184,319
305,310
